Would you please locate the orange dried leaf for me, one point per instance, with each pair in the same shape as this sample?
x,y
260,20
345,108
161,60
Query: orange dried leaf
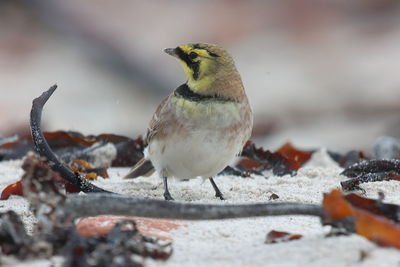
x,y
12,189
377,228
362,203
296,156
85,169
80,163
335,206
249,164
373,219
91,176
276,162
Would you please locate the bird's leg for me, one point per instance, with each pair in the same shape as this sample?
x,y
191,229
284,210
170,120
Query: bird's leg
x,y
217,191
167,195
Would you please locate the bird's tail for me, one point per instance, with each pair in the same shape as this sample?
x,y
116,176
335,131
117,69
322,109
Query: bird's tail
x,y
142,168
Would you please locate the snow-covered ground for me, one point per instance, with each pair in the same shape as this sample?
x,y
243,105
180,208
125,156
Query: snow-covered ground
x,y
240,242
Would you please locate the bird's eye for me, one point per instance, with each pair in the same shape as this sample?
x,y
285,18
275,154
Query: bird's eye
x,y
193,55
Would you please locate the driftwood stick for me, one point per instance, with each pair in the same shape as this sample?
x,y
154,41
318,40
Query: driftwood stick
x,y
98,204
44,150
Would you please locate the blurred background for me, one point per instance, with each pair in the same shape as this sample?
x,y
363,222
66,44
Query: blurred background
x,y
317,72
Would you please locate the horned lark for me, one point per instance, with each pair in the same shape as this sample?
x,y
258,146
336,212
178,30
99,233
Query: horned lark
x,y
203,125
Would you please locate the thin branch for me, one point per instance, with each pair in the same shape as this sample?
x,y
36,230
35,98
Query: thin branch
x,y
44,149
98,203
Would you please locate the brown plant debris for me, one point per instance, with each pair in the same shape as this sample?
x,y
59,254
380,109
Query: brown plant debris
x,y
79,167
278,237
55,232
373,219
69,145
349,158
371,171
286,160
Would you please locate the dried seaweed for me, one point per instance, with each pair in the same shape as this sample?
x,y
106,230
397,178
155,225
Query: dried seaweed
x,y
265,160
371,171
55,232
13,237
349,158
286,160
372,166
114,249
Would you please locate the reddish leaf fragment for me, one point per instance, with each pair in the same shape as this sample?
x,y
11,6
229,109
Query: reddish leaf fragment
x,y
295,156
335,206
278,237
279,164
250,164
102,225
377,229
373,219
12,189
374,206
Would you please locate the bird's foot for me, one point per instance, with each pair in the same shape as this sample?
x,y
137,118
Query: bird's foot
x,y
220,195
167,196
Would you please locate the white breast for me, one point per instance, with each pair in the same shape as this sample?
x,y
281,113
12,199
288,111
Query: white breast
x,y
204,153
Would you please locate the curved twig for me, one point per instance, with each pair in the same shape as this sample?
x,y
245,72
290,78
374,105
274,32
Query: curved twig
x,y
98,203
44,149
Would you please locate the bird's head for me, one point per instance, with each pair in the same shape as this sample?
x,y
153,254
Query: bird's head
x,y
208,68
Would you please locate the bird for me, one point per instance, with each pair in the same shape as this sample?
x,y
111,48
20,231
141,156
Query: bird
x,y
202,126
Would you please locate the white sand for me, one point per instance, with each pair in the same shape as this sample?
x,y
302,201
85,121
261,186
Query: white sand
x,y
240,242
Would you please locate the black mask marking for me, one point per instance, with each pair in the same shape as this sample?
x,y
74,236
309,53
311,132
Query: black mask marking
x,y
185,92
194,66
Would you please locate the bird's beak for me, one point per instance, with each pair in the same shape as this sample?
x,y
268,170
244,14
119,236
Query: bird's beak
x,y
170,51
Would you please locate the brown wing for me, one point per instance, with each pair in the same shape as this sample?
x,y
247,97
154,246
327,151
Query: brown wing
x,y
144,167
157,121
141,168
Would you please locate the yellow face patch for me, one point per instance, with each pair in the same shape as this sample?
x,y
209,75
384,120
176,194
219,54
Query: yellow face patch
x,y
197,69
